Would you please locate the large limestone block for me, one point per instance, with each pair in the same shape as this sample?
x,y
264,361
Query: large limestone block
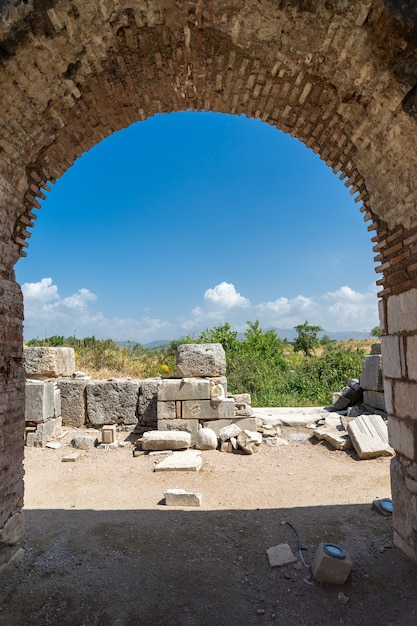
x,y
184,389
166,440
207,410
371,377
49,362
167,410
40,401
73,402
201,359
369,435
112,401
148,397
180,497
188,426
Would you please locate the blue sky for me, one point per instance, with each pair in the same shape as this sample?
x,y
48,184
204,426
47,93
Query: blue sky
x,y
187,220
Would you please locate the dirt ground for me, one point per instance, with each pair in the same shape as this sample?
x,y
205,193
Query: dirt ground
x,y
102,548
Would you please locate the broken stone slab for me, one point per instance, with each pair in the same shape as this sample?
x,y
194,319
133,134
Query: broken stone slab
x,y
180,497
206,410
201,359
84,442
246,423
39,401
351,394
227,432
226,446
369,435
189,426
70,458
375,399
46,362
280,555
206,439
112,401
73,402
371,377
248,441
44,433
166,440
340,401
188,460
338,439
184,389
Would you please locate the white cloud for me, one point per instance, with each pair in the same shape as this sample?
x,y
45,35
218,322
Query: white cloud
x,y
224,295
43,291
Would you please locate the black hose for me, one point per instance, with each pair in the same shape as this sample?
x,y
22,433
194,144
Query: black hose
x,y
300,544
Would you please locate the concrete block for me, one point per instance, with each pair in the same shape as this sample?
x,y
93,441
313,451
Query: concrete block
x,y
166,440
371,377
201,359
73,402
166,410
147,404
180,497
44,432
108,433
401,312
245,423
328,569
48,362
369,435
186,461
40,401
184,389
207,410
393,356
188,426
280,555
374,399
112,401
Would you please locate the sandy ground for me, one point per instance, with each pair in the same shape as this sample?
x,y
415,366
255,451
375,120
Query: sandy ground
x,y
102,548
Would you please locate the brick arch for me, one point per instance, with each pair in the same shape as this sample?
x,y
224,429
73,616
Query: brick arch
x,y
338,76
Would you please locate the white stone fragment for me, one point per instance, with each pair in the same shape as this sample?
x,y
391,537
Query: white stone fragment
x,y
280,555
166,440
188,460
369,435
180,497
229,431
206,439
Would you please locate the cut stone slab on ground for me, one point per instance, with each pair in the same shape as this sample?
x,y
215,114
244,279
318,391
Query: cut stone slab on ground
x,y
299,416
280,555
369,435
187,460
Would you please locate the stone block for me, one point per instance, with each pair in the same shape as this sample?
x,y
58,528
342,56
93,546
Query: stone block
x,y
84,442
401,312
228,432
404,518
280,555
201,359
374,399
57,401
328,569
402,435
206,439
376,348
112,401
188,426
180,497
340,401
205,410
48,362
389,407
166,440
147,404
184,389
338,439
73,402
369,435
371,377
405,394
166,410
71,457
40,401
244,398
186,461
393,356
411,353
44,432
245,423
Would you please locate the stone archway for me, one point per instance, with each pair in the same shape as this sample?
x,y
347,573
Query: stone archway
x,y
339,76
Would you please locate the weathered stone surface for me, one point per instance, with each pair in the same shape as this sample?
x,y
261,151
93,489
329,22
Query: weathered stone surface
x,y
206,439
44,432
394,363
205,410
401,312
404,510
49,362
369,435
71,457
244,398
371,377
186,461
351,394
376,348
166,440
13,530
147,404
166,410
280,555
402,435
338,439
201,359
189,426
217,390
180,497
374,399
184,389
112,401
244,423
340,401
73,402
40,401
84,442
227,432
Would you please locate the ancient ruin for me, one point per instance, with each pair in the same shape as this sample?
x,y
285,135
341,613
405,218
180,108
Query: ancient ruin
x,y
339,76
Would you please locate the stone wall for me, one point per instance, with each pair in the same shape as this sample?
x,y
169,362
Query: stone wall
x,y
339,76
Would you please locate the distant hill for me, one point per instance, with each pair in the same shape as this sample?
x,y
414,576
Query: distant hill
x,y
341,335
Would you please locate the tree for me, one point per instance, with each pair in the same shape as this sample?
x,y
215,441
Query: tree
x,y
376,332
307,337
